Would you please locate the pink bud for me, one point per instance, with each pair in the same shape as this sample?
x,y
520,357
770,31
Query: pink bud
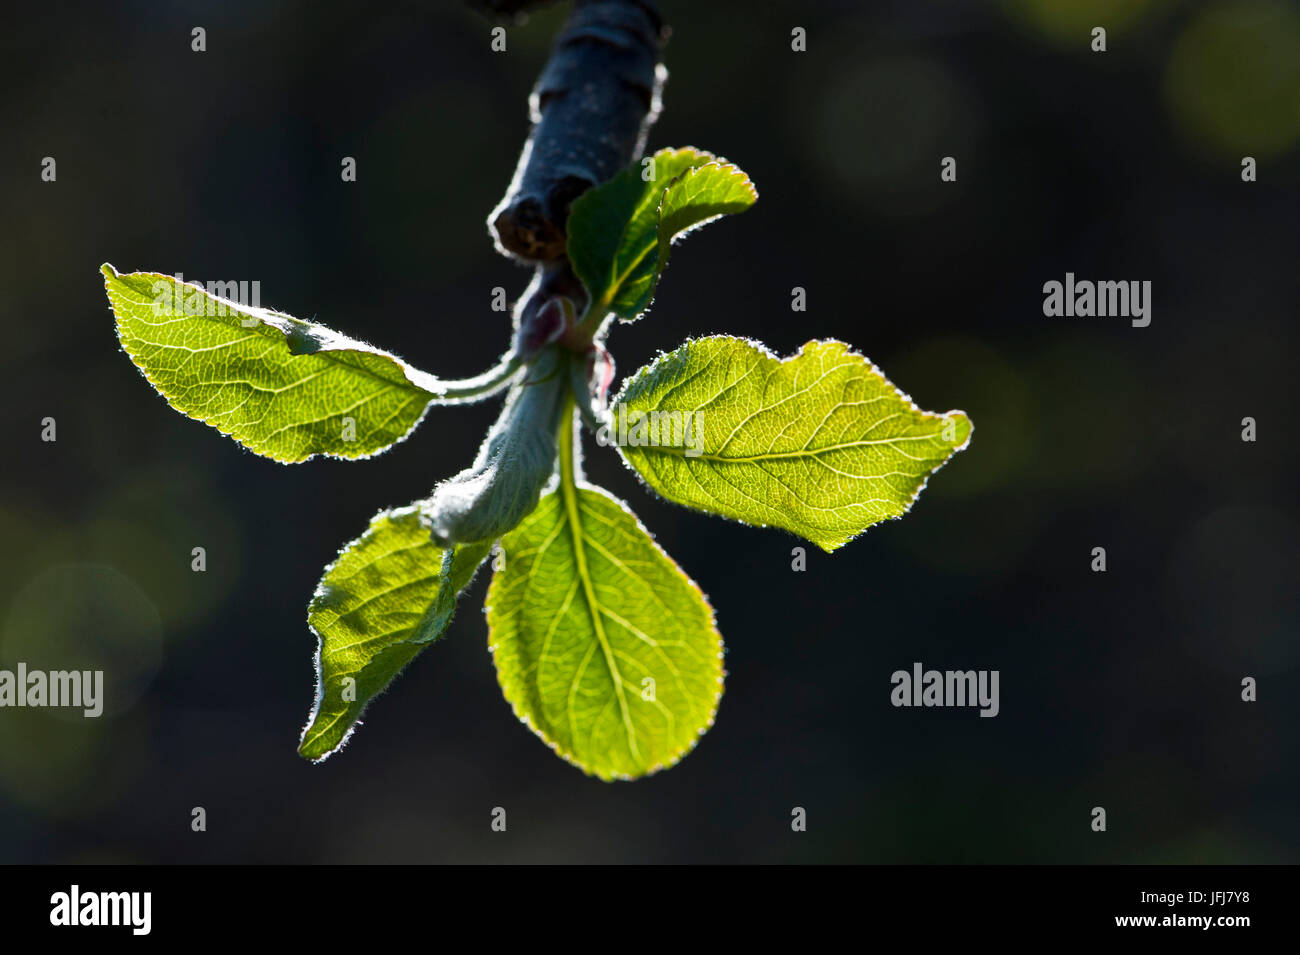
x,y
545,325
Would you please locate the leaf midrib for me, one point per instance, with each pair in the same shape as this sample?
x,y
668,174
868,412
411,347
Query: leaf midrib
x,y
349,357
571,509
782,455
652,236
616,281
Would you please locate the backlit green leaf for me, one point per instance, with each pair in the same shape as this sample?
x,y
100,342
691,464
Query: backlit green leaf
x,y
602,645
282,387
391,592
620,232
821,444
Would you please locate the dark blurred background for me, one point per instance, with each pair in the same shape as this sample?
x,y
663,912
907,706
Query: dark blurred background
x,y
1119,689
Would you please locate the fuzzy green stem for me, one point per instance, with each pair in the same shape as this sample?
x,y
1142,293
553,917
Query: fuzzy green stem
x,y
468,389
565,438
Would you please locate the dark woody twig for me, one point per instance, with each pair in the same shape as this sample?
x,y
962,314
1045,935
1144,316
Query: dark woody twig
x,y
591,109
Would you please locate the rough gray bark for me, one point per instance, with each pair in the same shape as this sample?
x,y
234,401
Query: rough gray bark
x,y
591,109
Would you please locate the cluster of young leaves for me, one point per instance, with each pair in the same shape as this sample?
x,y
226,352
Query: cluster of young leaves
x,y
602,645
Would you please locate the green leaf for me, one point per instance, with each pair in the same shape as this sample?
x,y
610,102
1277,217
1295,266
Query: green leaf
x,y
620,232
282,387
586,609
391,592
821,444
